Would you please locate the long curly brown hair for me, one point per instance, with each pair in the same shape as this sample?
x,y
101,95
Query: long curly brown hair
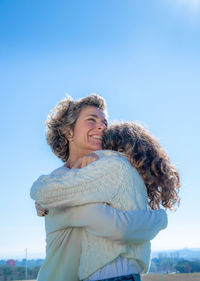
x,y
149,158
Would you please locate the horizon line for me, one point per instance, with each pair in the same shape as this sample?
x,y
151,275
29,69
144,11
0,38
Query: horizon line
x,y
41,255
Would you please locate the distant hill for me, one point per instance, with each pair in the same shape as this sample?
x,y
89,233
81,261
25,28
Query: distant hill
x,y
188,254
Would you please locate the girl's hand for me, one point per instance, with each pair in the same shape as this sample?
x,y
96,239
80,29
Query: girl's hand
x,y
85,160
41,212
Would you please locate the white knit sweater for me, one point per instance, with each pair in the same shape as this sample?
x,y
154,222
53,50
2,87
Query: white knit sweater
x,y
112,180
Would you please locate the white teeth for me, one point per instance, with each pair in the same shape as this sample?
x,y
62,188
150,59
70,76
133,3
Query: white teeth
x,y
97,137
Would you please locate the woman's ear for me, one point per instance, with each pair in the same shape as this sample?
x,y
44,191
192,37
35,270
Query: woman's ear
x,y
69,135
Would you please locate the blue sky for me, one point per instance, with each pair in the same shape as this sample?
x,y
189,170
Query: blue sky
x,y
141,56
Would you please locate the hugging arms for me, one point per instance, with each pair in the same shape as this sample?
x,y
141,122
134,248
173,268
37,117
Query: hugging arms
x,y
106,181
80,187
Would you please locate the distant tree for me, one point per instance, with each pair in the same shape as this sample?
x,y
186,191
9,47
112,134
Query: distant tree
x,y
195,265
165,264
185,266
33,272
8,273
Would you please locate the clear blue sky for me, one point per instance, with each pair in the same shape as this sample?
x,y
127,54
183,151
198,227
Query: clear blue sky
x,y
141,56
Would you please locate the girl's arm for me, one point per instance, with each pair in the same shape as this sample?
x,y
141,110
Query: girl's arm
x,y
105,221
98,182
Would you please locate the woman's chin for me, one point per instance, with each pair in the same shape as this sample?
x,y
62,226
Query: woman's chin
x,y
96,147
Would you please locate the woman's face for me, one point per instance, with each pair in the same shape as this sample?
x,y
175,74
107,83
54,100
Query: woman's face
x,y
88,131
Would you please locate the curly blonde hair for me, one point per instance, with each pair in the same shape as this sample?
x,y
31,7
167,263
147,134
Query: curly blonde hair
x,y
62,119
149,158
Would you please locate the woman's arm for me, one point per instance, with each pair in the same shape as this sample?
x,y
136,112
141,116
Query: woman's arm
x,y
105,221
98,182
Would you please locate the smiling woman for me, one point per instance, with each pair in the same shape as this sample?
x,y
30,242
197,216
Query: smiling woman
x,y
74,123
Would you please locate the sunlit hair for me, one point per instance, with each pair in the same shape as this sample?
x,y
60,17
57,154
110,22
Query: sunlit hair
x,y
149,158
62,119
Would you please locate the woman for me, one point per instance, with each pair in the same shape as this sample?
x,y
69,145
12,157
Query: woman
x,y
85,137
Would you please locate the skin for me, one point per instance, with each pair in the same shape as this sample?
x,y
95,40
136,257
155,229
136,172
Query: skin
x,y
87,134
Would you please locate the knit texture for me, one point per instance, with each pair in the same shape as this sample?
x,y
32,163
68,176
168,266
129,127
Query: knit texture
x,y
111,180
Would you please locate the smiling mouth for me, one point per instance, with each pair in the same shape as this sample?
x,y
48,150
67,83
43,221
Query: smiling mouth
x,y
97,137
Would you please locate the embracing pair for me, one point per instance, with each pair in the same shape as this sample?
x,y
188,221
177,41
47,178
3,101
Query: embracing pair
x,y
102,207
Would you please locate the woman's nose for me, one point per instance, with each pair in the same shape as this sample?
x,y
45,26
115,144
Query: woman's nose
x,y
101,126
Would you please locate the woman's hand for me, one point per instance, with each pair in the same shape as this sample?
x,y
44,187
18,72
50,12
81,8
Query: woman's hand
x,y
41,212
85,160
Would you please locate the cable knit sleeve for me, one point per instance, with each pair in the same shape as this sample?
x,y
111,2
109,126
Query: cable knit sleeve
x,y
90,184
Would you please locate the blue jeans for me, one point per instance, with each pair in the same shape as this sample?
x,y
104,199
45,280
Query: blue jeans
x,y
130,277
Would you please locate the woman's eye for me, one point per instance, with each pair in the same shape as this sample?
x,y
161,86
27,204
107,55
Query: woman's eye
x,y
92,119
